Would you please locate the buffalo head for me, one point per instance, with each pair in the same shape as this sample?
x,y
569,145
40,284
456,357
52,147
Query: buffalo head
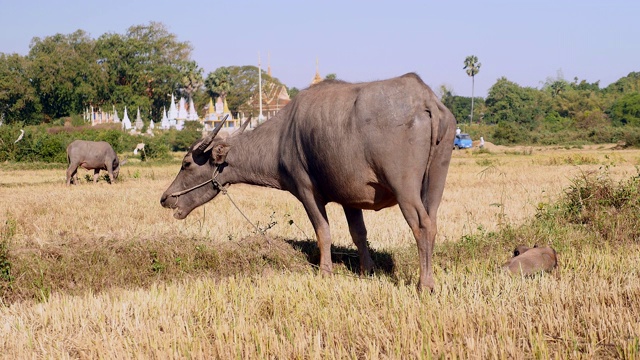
x,y
116,167
196,183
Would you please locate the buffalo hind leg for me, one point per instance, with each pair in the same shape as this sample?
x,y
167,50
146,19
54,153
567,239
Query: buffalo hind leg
x,y
358,233
96,175
72,170
424,231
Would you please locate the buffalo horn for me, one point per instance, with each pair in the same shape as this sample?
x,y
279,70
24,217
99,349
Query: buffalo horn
x,y
244,126
207,141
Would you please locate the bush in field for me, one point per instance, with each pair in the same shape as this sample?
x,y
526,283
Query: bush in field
x,y
183,139
9,134
594,211
49,144
509,133
156,149
610,209
631,137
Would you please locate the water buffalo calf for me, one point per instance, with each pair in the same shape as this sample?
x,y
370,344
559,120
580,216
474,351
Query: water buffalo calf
x,y
528,261
92,155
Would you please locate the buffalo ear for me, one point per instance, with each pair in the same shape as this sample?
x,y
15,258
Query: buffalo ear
x,y
219,153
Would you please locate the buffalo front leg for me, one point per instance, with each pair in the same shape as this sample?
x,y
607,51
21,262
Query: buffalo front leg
x,y
96,175
110,171
424,231
358,232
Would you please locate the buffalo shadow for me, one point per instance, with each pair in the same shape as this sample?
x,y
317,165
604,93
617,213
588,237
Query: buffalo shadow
x,y
346,256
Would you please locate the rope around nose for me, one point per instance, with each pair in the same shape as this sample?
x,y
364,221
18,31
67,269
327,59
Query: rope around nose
x,y
220,188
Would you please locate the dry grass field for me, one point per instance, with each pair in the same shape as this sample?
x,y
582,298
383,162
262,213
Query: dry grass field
x,y
103,271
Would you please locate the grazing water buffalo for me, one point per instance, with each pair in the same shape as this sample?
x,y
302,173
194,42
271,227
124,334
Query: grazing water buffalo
x,y
92,155
364,146
529,261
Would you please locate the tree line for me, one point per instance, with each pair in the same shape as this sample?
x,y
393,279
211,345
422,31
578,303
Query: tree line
x,y
559,112
62,75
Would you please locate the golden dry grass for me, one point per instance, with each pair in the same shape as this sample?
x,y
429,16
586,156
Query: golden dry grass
x,y
590,309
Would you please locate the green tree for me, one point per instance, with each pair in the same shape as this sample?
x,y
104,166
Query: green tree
x,y
472,66
627,84
331,76
145,65
293,92
18,99
65,73
626,110
245,86
460,106
191,78
219,83
509,102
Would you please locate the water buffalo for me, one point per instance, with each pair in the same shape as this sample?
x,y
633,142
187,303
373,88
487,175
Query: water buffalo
x,y
521,249
92,155
362,145
529,261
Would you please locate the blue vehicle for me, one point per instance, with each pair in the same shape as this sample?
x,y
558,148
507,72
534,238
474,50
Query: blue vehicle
x,y
462,141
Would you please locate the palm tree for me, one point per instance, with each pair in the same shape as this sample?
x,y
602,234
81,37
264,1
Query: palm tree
x,y
219,82
472,66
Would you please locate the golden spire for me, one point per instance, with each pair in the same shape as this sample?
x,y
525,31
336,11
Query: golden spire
x,y
269,63
212,109
317,78
225,108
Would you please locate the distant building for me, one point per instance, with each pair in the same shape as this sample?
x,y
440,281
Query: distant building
x,y
215,114
98,116
274,98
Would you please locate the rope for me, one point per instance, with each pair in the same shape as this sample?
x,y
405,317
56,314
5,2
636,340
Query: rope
x,y
225,192
178,193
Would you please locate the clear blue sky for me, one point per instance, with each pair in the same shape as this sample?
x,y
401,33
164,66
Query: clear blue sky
x,y
525,41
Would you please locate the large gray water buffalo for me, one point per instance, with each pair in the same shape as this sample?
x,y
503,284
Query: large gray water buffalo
x,y
92,155
364,146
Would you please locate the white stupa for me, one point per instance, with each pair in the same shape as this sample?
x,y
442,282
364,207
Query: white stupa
x,y
173,113
116,119
139,124
192,115
164,123
126,123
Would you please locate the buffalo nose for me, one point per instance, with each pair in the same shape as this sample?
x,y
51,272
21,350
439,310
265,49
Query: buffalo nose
x,y
163,199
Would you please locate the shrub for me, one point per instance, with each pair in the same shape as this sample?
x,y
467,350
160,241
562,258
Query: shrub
x,y
598,206
156,149
508,133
